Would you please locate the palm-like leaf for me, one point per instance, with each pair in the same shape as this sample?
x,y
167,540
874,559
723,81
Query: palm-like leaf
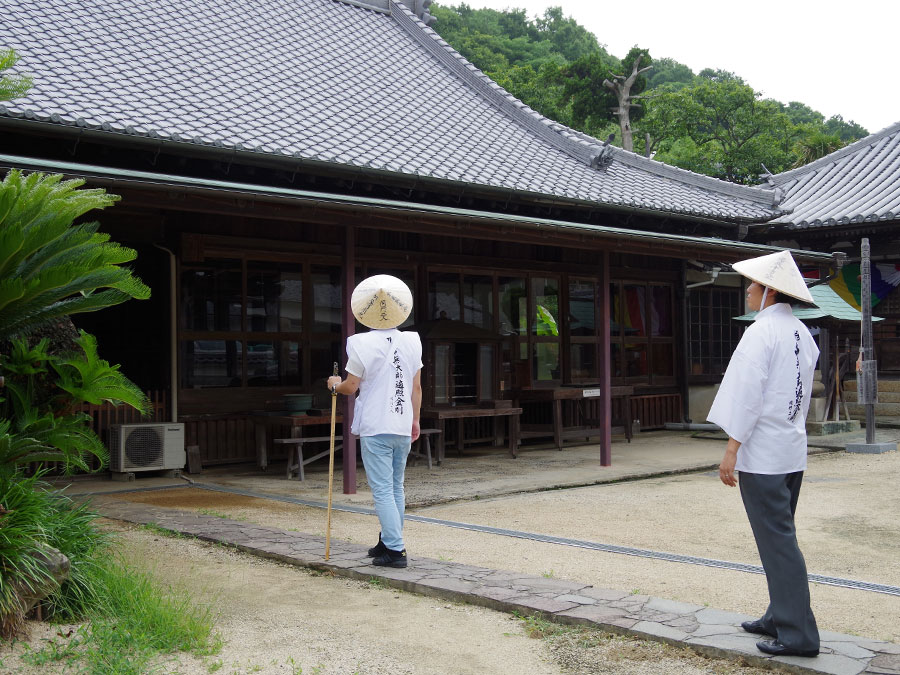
x,y
49,266
91,379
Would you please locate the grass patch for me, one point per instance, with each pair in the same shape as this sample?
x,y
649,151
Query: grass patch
x,y
537,627
153,528
129,620
213,512
579,649
137,623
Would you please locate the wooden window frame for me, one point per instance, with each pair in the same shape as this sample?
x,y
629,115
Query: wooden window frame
x,y
305,338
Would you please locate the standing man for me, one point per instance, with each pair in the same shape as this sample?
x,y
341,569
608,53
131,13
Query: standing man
x,y
762,405
385,366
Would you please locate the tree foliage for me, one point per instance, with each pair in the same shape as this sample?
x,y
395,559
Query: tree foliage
x,y
815,145
712,122
12,86
598,89
846,131
722,128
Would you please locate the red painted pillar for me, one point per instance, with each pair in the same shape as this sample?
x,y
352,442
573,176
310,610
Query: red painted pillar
x,y
605,365
348,329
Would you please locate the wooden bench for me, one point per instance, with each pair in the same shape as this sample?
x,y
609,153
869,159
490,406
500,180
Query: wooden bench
x,y
417,451
589,426
296,461
460,414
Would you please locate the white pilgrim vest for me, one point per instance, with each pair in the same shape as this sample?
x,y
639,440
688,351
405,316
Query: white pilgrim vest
x,y
764,397
386,362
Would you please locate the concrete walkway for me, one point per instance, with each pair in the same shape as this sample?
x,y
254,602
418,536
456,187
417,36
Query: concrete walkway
x,y
704,629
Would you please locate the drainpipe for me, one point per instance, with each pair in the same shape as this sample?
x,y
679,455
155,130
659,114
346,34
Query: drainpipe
x,y
173,335
713,275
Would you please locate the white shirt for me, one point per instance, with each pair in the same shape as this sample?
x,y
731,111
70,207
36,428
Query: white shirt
x,y
764,396
386,362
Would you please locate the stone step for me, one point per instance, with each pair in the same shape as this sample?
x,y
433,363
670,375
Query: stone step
x,y
858,411
883,385
883,396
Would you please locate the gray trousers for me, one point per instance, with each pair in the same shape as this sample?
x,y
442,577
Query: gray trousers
x,y
770,502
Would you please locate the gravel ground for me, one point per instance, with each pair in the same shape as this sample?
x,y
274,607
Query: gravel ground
x,y
846,519
275,618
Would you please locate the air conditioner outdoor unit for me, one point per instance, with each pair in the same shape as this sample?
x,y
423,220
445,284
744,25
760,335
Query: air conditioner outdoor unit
x,y
146,447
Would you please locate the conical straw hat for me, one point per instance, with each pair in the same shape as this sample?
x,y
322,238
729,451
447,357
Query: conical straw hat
x,y
779,272
381,301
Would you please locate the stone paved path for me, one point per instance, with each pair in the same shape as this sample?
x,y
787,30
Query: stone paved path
x,y
706,630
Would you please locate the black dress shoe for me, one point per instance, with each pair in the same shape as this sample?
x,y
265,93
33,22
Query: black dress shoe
x,y
757,627
775,648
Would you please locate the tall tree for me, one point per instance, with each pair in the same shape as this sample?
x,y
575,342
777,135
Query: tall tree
x,y
800,113
671,72
722,128
846,131
571,40
626,88
598,89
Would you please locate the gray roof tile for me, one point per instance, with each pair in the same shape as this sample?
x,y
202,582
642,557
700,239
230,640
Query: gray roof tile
x,y
858,183
327,80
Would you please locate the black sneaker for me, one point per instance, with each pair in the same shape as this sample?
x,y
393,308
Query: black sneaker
x,y
378,549
390,558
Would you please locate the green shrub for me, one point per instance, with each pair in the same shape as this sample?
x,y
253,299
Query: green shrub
x,y
73,530
36,516
131,617
24,514
136,625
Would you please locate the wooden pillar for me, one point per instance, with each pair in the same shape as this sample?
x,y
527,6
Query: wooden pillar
x,y
348,329
605,365
682,297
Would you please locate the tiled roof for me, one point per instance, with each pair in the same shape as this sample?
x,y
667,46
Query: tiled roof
x,y
857,184
829,305
362,85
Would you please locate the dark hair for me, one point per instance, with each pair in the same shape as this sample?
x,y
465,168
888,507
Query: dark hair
x,y
781,297
793,302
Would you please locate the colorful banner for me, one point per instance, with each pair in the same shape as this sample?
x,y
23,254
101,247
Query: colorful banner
x,y
885,278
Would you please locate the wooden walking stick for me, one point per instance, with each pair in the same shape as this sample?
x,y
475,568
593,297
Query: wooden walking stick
x,y
331,465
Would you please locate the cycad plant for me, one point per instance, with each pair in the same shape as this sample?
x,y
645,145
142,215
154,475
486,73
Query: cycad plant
x,y
49,267
40,422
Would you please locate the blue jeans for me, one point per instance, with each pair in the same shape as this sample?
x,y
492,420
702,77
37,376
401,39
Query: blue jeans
x,y
384,457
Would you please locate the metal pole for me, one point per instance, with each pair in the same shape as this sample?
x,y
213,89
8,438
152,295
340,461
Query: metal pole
x,y
868,351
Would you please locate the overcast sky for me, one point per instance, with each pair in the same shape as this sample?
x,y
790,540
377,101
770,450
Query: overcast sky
x,y
837,58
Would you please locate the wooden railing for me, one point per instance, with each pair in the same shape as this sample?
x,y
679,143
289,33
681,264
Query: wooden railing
x,y
655,410
222,439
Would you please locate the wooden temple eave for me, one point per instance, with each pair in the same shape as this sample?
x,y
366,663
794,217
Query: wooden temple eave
x,y
482,226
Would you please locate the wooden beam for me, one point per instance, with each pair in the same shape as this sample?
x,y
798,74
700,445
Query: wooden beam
x,y
348,329
605,367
